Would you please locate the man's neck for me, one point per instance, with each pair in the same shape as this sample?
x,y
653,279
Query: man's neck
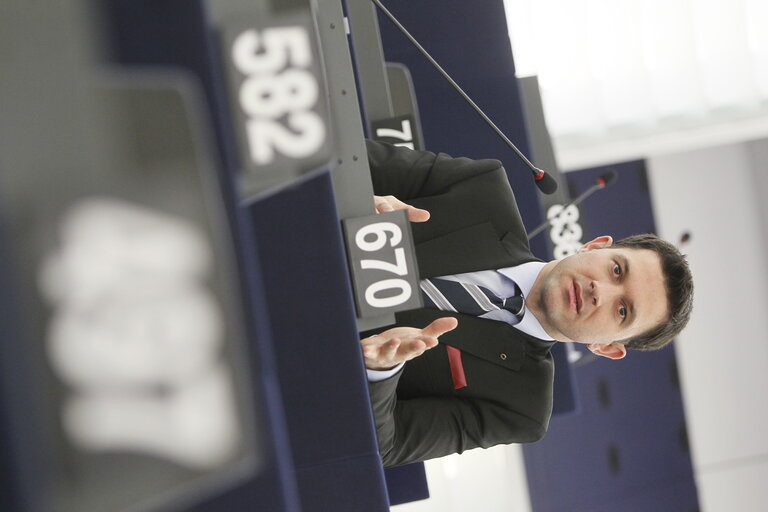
x,y
534,301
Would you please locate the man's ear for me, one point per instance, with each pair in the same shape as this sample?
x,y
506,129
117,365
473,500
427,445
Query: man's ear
x,y
611,350
600,242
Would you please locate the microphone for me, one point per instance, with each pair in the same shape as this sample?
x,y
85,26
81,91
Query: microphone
x,y
607,178
604,180
544,181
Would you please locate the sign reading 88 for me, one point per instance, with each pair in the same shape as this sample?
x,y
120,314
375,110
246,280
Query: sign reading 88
x,y
566,231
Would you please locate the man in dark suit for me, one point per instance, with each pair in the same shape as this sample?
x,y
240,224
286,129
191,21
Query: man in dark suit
x,y
488,380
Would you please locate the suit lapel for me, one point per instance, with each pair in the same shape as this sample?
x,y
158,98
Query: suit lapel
x,y
469,249
495,342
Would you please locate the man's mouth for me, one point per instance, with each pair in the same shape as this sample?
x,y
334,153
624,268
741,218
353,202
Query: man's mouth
x,y
579,300
574,296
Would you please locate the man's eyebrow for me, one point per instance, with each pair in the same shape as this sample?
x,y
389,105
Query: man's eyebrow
x,y
631,313
625,264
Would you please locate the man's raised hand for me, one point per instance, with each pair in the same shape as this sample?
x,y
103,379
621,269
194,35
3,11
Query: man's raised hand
x,y
391,203
399,344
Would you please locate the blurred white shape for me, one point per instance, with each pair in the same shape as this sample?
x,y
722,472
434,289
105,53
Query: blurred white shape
x,y
106,241
193,426
148,333
136,332
572,353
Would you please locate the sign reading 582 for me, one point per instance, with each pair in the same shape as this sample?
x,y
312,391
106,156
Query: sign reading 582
x,y
276,92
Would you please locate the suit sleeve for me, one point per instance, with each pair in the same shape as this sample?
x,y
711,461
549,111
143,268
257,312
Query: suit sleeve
x,y
408,174
426,428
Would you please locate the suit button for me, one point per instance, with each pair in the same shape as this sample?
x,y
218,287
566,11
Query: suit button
x,y
503,356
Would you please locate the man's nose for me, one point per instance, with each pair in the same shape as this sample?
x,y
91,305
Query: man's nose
x,y
600,292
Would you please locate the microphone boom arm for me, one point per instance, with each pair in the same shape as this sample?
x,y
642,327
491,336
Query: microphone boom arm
x,y
547,185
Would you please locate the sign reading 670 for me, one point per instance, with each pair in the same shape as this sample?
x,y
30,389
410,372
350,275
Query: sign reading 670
x,y
383,266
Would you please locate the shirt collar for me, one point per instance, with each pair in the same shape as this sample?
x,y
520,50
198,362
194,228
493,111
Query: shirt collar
x,y
525,276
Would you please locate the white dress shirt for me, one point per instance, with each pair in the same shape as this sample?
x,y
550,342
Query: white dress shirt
x,y
502,283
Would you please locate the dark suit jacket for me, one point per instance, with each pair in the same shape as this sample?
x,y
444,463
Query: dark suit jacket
x,y
475,225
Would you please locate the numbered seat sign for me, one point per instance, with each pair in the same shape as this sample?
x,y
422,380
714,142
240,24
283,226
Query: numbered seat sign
x,y
136,334
277,99
383,265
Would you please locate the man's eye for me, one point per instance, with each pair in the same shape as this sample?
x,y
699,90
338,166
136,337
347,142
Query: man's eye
x,y
617,269
623,312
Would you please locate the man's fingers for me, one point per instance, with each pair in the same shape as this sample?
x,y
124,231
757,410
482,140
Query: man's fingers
x,y
430,342
417,214
401,344
383,204
373,341
391,203
418,346
412,349
391,346
440,326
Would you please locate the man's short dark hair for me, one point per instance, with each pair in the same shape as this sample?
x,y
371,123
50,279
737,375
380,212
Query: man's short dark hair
x,y
678,282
